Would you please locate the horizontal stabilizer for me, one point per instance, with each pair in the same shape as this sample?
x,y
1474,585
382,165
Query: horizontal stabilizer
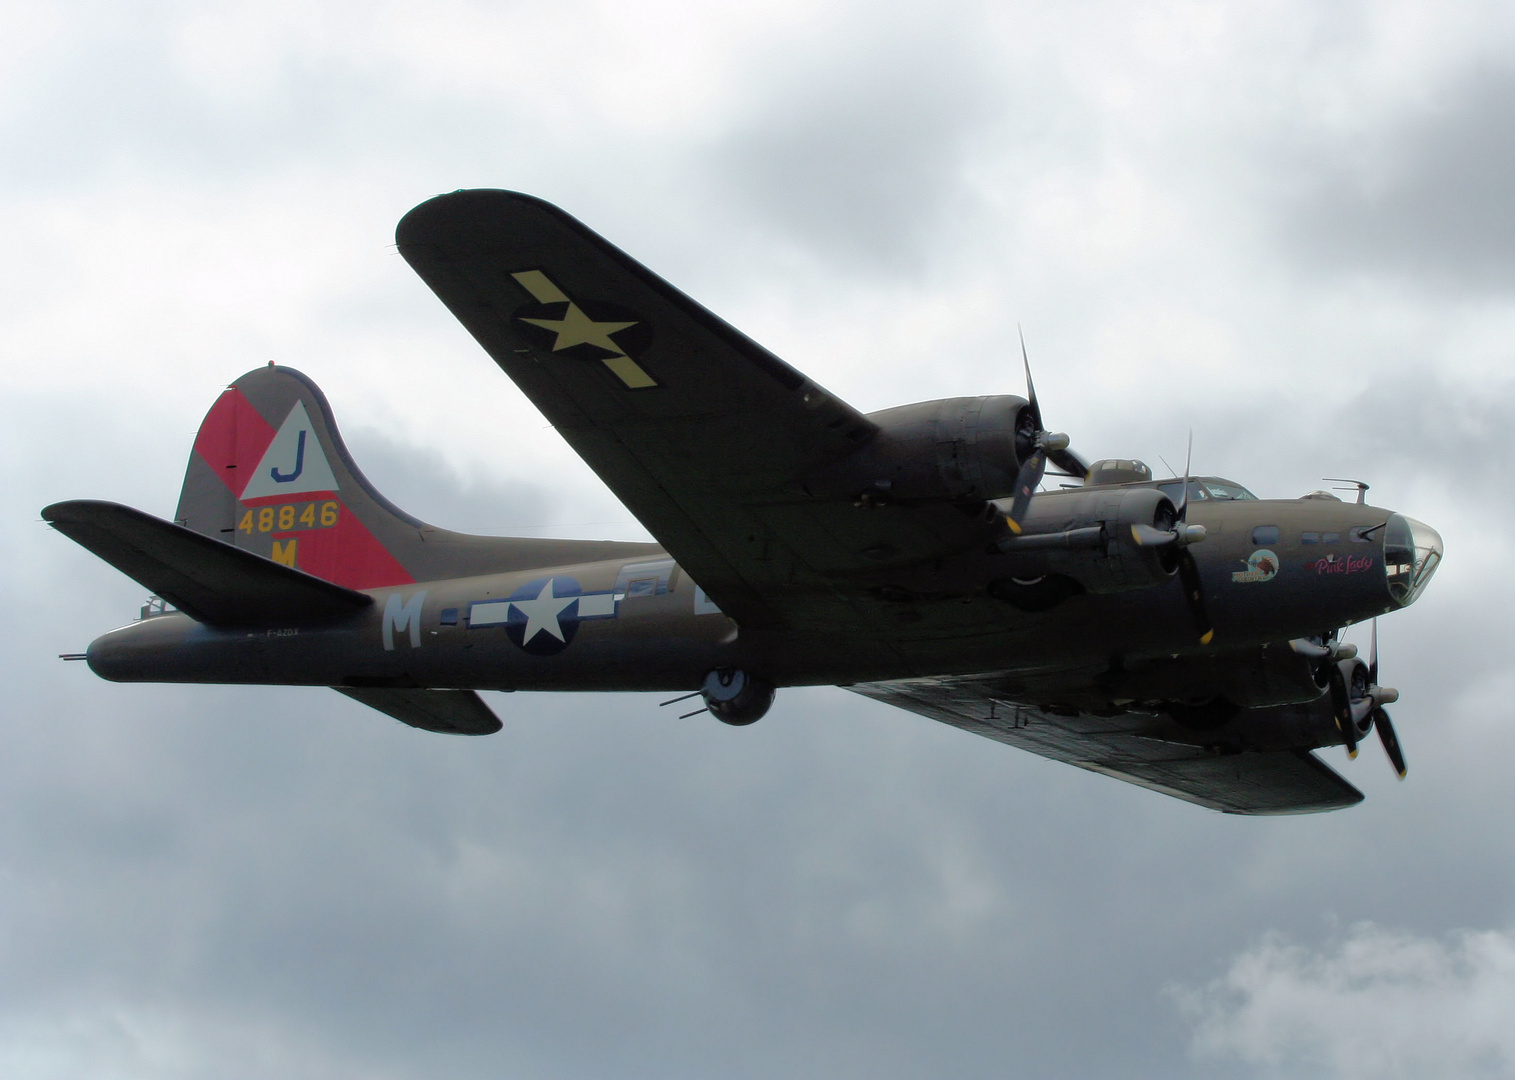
x,y
451,712
210,581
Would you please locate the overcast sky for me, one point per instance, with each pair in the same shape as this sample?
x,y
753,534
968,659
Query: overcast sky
x,y
1286,226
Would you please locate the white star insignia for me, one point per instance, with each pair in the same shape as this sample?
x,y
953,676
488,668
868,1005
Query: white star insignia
x,y
542,613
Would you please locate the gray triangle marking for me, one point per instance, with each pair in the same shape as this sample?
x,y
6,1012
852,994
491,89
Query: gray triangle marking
x,y
293,463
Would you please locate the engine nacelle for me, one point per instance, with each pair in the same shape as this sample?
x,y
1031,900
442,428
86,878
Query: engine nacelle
x,y
1086,535
954,448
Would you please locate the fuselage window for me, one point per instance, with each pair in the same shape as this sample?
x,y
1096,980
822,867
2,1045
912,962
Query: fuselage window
x,y
1330,538
1265,535
647,586
1309,538
449,616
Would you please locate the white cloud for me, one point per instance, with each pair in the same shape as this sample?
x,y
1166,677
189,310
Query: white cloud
x,y
1376,1003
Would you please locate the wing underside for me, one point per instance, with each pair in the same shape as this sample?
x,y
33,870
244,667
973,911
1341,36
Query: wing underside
x,y
1273,782
701,432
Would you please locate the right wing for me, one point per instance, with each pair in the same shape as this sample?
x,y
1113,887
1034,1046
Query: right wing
x,y
702,433
1275,782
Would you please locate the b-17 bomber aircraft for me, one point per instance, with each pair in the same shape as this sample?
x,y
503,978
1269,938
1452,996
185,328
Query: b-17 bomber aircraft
x,y
1178,634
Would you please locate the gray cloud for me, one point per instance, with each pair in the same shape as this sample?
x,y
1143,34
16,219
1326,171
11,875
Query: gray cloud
x,y
1425,195
852,148
419,481
217,881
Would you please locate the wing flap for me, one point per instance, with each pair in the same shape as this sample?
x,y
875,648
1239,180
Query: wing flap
x,y
1276,782
208,580
449,712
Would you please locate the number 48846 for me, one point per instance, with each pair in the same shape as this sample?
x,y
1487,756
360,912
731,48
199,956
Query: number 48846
x,y
289,517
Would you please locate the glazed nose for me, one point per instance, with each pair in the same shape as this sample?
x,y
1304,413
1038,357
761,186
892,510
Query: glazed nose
x,y
1411,553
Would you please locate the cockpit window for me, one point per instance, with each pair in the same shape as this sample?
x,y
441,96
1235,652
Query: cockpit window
x,y
1224,489
1202,490
1174,490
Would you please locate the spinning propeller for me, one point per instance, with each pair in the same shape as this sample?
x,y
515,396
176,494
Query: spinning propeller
x,y
1177,537
1034,444
1358,702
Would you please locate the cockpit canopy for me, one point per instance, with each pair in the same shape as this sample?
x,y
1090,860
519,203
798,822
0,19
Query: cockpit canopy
x,y
1130,471
1206,488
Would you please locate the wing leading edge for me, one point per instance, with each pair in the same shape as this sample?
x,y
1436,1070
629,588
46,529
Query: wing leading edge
x,y
1278,782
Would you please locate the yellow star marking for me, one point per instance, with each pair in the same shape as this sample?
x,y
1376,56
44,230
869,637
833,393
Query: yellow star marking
x,y
576,328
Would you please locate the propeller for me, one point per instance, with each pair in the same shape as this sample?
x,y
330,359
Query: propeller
x,y
1382,695
1341,706
1034,444
1368,705
1180,536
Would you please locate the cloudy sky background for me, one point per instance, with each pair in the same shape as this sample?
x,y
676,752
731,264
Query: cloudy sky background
x,y
1287,226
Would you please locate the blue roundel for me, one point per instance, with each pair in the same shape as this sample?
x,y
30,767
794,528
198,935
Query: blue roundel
x,y
544,615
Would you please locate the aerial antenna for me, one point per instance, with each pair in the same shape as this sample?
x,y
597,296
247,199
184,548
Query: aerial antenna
x,y
1361,486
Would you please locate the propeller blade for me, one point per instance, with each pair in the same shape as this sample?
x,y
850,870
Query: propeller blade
x,y
1390,741
1183,502
1341,705
1036,410
1026,482
1188,575
1148,536
1373,656
1070,463
1038,444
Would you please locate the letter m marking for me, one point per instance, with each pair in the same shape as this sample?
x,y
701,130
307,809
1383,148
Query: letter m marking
x,y
284,552
400,616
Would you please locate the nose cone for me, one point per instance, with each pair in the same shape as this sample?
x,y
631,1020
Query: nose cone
x,y
1411,553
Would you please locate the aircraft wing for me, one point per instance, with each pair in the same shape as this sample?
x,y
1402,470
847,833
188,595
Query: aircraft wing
x,y
1280,782
701,432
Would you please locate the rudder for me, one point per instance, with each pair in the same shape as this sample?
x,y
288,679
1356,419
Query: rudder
x,y
269,473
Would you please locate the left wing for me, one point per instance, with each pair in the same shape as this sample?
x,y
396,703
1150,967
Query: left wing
x,y
1274,782
702,433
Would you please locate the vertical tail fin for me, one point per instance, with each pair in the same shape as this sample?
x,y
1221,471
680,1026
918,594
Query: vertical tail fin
x,y
269,473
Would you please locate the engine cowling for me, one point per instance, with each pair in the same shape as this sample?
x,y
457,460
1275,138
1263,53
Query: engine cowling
x,y
953,448
1086,535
